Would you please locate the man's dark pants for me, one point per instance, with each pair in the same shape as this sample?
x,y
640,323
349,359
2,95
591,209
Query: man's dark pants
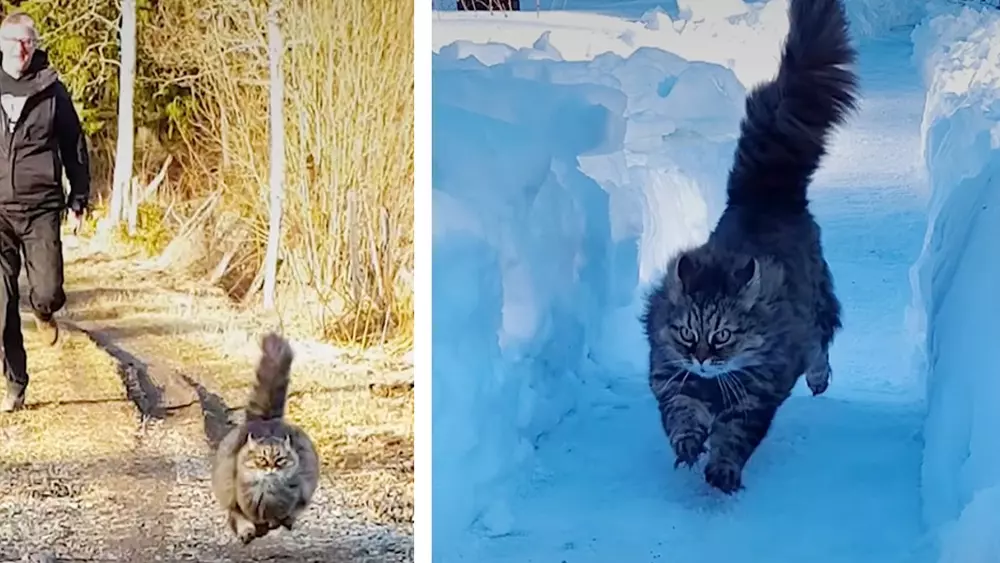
x,y
35,234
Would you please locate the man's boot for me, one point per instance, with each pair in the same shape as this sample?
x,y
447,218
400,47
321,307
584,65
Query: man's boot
x,y
14,399
47,329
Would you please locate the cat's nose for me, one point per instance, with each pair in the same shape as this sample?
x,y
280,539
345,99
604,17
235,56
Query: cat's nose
x,y
701,355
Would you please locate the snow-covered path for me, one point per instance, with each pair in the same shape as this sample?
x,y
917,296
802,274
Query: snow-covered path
x,y
837,479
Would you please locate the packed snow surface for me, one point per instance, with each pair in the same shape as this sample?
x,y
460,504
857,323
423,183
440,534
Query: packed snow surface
x,y
573,153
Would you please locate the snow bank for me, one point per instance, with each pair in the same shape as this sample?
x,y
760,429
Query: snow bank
x,y
749,44
872,18
743,36
957,278
559,189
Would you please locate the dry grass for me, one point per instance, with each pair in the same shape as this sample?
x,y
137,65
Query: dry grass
x,y
352,165
346,258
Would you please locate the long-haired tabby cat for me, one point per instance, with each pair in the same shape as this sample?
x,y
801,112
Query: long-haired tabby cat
x,y
735,322
265,470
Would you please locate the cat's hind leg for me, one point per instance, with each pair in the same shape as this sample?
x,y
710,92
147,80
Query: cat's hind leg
x,y
828,312
818,374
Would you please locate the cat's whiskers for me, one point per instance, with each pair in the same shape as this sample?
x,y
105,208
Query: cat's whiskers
x,y
724,389
661,388
741,388
679,363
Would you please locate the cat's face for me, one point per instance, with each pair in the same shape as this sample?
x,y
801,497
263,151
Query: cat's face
x,y
704,322
270,456
710,338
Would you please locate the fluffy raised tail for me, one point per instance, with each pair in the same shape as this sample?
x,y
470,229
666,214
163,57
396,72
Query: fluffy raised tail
x,y
783,135
267,400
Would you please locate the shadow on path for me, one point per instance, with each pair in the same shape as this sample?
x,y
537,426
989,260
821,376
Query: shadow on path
x,y
215,413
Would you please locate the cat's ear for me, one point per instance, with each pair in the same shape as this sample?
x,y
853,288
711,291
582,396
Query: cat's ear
x,y
250,439
288,441
747,277
684,272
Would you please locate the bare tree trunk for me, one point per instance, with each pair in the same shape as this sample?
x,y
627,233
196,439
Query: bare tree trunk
x,y
276,112
124,153
132,205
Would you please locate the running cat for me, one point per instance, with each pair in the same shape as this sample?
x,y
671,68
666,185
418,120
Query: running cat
x,y
736,321
266,470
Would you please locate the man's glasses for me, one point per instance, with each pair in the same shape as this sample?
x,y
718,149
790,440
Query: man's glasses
x,y
28,41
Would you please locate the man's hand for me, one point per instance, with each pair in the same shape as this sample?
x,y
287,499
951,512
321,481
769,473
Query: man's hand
x,y
75,220
76,210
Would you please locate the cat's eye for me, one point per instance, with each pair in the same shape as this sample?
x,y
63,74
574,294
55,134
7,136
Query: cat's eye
x,y
721,337
687,335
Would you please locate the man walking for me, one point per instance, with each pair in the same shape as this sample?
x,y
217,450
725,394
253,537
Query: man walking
x,y
40,134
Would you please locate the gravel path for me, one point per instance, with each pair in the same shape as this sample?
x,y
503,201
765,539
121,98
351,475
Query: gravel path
x,y
110,461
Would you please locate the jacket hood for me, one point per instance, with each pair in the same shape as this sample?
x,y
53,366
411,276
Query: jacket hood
x,y
37,77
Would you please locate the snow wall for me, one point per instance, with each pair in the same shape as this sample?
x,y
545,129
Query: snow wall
x,y
957,280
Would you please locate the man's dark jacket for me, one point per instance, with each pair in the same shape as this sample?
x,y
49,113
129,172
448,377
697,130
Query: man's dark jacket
x,y
45,139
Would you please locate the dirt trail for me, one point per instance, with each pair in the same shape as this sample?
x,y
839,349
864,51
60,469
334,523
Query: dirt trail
x,y
110,461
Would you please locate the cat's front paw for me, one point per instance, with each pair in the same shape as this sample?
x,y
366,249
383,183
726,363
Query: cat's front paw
x,y
247,534
688,449
726,477
245,530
